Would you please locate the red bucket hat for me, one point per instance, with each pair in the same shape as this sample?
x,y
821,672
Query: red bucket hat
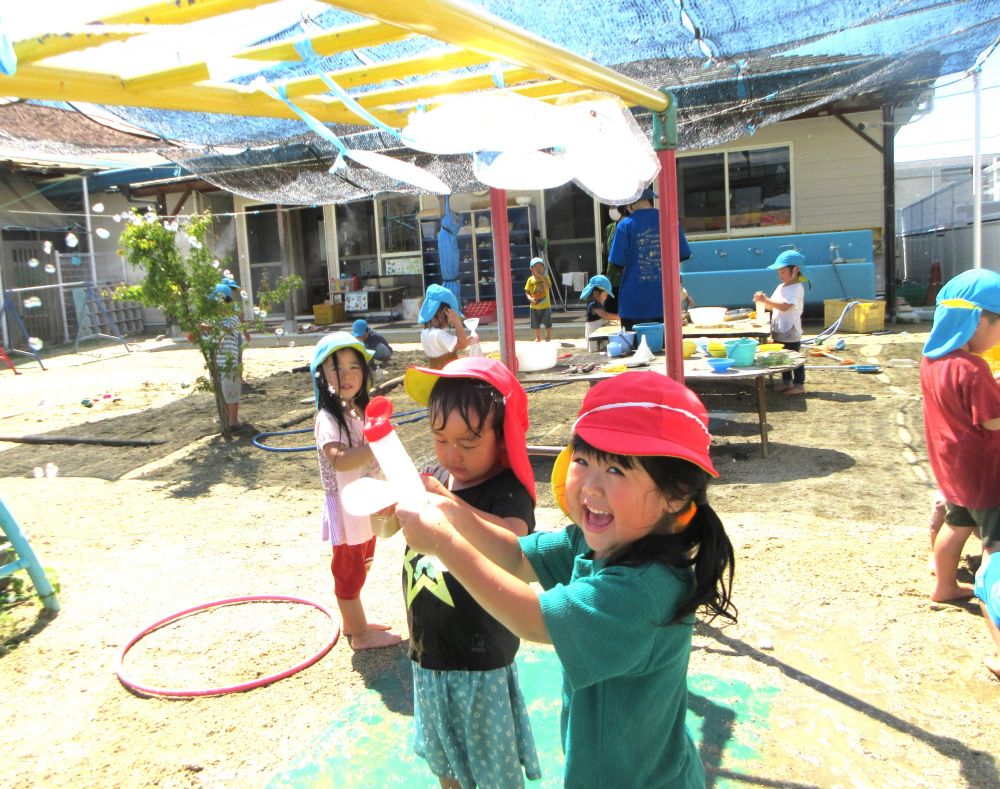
x,y
640,413
419,381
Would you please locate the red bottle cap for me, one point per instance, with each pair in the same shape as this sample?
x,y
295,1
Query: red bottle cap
x,y
377,424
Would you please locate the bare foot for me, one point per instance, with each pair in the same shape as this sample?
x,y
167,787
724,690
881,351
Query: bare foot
x,y
375,639
372,626
951,593
992,662
781,387
794,390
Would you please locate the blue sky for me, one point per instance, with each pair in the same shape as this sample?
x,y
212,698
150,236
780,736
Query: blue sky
x,y
948,129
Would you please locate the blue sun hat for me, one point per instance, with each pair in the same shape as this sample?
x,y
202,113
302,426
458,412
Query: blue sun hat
x,y
328,346
960,304
221,292
435,296
359,328
789,257
597,281
229,281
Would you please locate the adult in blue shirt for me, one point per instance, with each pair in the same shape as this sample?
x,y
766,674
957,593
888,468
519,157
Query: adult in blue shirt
x,y
635,249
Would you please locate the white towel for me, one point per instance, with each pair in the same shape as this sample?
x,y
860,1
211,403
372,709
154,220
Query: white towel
x,y
579,280
567,278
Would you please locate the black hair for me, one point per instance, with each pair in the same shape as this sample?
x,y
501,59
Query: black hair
x,y
333,404
990,316
475,401
703,545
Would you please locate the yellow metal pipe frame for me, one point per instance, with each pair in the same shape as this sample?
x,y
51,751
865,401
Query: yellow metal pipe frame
x,y
377,73
169,12
32,50
364,34
42,82
470,28
356,36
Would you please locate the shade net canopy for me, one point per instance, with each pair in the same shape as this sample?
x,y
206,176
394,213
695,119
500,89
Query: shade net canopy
x,y
296,84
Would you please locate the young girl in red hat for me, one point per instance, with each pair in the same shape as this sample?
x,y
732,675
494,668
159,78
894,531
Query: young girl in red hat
x,y
620,587
470,718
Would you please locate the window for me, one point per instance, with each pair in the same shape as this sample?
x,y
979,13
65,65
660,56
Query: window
x,y
400,228
736,190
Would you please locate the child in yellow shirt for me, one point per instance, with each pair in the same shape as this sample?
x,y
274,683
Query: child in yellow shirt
x,y
538,288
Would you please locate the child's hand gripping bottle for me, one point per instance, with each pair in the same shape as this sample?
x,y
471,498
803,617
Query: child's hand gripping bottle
x,y
471,324
397,467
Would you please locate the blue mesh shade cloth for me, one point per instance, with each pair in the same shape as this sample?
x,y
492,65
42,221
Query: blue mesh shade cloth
x,y
447,239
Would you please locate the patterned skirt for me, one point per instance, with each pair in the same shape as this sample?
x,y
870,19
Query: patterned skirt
x,y
472,726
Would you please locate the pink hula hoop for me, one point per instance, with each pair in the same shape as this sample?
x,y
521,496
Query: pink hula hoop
x,y
256,683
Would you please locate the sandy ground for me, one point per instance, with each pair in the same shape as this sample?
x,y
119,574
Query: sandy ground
x,y
855,677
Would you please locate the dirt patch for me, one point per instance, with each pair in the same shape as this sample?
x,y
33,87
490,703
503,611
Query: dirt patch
x,y
866,682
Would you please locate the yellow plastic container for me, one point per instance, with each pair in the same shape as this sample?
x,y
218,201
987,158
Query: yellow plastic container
x,y
328,313
689,347
866,316
717,349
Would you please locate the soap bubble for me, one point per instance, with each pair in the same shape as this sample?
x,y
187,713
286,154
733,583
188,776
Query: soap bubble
x,y
51,470
195,243
33,263
243,294
227,274
35,343
102,233
215,264
279,331
171,227
97,208
117,217
39,472
291,343
263,314
47,247
75,260
71,240
256,311
32,302
150,217
50,268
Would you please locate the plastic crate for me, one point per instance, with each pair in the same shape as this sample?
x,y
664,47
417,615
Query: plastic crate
x,y
992,357
329,313
865,316
486,311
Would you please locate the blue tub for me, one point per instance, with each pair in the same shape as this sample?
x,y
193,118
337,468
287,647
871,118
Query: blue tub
x,y
653,332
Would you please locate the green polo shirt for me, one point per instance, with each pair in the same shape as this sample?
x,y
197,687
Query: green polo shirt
x,y
624,671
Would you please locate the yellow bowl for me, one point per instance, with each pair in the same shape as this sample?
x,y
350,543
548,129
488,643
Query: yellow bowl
x,y
770,346
717,349
690,346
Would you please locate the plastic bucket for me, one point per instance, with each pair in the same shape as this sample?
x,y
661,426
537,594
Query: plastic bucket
x,y
653,332
741,351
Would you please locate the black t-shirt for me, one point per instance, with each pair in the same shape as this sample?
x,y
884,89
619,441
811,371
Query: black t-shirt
x,y
610,305
449,630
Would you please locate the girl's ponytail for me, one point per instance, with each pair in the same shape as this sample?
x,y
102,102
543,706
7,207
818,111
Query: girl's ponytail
x,y
713,562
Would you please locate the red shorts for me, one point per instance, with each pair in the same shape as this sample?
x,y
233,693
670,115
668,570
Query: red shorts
x,y
350,568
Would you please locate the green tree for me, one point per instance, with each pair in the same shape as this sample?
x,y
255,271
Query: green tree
x,y
181,284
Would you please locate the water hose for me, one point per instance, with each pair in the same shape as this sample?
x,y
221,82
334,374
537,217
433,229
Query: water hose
x,y
421,413
831,330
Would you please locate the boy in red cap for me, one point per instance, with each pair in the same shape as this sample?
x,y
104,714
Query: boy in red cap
x,y
621,586
470,719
